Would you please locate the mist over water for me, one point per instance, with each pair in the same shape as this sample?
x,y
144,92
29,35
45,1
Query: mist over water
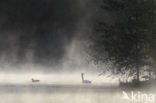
x,y
47,40
55,78
61,88
45,35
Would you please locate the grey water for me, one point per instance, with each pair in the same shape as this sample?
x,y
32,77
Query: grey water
x,y
53,93
60,89
36,93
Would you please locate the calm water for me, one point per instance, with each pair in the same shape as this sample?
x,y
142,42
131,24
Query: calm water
x,y
40,93
57,94
60,89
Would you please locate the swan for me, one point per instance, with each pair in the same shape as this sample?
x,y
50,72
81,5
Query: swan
x,y
84,81
33,80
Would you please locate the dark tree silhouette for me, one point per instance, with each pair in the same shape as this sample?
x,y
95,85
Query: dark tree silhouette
x,y
124,40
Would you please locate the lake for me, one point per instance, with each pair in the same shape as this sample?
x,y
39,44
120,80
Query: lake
x,y
53,93
62,89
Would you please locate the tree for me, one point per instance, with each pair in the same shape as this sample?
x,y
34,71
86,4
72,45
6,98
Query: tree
x,y
124,41
152,39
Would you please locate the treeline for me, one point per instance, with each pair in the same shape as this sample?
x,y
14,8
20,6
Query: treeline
x,y
126,40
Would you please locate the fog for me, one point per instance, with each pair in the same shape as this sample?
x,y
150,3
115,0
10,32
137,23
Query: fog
x,y
48,41
57,78
45,35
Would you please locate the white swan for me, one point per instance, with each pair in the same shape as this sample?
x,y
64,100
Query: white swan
x,y
33,80
84,81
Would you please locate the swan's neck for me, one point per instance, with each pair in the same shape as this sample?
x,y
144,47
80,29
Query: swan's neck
x,y
82,77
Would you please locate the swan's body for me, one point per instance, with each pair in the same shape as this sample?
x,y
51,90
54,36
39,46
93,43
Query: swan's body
x,y
33,80
85,81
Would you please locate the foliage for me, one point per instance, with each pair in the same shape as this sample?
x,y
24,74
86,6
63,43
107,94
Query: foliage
x,y
125,42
